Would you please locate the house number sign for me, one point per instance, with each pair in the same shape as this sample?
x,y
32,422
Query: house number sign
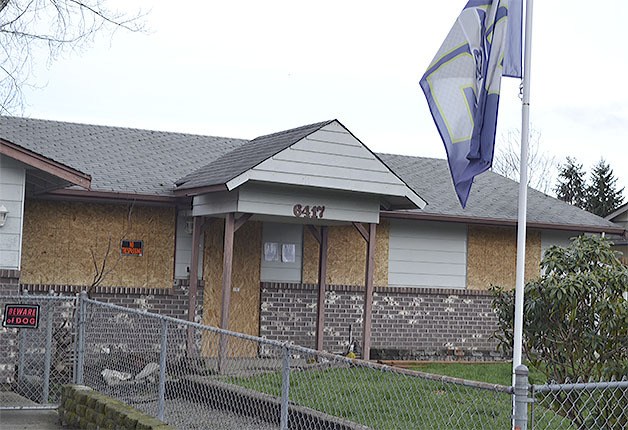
x,y
307,211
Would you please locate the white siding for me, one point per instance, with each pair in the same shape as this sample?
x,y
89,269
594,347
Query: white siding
x,y
550,238
279,200
427,254
183,246
12,186
215,203
279,271
329,158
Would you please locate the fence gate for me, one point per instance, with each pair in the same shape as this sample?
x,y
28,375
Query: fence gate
x,y
37,350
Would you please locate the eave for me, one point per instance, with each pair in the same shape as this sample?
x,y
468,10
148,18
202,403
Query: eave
x,y
45,164
500,222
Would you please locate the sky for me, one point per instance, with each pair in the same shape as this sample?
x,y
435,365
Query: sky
x,y
247,68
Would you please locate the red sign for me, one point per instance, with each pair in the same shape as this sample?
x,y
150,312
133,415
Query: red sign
x,y
132,247
21,316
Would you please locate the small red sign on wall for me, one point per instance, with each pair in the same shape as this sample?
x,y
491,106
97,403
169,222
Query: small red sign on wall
x,y
132,247
21,316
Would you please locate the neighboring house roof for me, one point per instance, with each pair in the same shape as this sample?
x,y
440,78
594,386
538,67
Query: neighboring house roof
x,y
146,162
620,214
120,160
241,159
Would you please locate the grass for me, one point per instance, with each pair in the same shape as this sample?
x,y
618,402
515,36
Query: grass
x,y
391,401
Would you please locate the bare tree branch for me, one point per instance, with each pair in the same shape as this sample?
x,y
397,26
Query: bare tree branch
x,y
542,168
103,266
56,26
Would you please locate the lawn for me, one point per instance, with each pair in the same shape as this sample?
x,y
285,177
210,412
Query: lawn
x,y
391,400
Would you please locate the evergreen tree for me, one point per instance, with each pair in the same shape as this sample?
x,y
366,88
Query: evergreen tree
x,y
571,184
602,195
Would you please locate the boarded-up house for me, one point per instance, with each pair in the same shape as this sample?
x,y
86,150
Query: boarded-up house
x,y
303,235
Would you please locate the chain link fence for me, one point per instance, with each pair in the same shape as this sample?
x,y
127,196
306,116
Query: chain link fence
x,y
199,377
36,362
580,406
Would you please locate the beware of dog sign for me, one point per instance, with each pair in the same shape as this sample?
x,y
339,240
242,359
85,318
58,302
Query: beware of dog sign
x,y
21,316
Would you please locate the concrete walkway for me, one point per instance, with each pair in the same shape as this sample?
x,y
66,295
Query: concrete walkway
x,y
22,419
30,419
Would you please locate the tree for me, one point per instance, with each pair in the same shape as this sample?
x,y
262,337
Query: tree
x,y
540,167
571,184
56,26
576,317
603,197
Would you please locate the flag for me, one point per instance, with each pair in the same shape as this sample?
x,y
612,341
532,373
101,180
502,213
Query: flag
x,y
462,84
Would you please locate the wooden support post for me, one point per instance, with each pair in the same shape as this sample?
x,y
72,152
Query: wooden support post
x,y
227,266
368,293
193,288
322,283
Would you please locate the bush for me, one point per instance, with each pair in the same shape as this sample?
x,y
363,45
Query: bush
x,y
575,313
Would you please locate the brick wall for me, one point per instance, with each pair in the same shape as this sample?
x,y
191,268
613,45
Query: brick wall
x,y
9,282
408,323
172,302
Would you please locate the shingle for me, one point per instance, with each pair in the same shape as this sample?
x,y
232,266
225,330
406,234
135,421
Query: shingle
x,y
149,162
492,196
119,159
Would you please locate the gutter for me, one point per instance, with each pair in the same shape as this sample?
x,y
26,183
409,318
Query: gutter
x,y
502,222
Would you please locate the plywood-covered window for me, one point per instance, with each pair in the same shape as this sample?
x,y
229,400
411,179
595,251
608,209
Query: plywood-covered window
x,y
282,252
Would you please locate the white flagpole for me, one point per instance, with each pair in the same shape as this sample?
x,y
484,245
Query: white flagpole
x,y
523,192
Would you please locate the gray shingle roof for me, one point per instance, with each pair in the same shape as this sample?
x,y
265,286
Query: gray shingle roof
x,y
245,157
492,196
119,159
149,162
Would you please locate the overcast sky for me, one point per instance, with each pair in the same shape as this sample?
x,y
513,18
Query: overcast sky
x,y
246,68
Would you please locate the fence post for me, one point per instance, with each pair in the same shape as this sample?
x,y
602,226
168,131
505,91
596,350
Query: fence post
x,y
48,352
162,369
285,389
21,354
80,358
520,418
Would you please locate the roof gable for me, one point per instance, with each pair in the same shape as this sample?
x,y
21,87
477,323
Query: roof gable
x,y
247,156
323,155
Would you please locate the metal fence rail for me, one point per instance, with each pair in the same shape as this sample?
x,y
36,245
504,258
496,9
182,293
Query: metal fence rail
x,y
580,406
35,363
198,377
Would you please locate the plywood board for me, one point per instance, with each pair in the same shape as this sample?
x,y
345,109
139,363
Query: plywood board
x,y
59,238
346,257
492,256
245,293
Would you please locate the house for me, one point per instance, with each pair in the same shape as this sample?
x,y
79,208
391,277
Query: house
x,y
304,235
620,216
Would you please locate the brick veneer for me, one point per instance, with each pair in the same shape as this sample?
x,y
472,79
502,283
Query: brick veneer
x,y
171,301
9,282
408,323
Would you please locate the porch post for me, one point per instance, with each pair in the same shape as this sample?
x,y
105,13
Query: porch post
x,y
193,289
368,292
227,265
322,282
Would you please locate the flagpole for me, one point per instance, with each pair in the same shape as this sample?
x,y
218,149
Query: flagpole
x,y
523,192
